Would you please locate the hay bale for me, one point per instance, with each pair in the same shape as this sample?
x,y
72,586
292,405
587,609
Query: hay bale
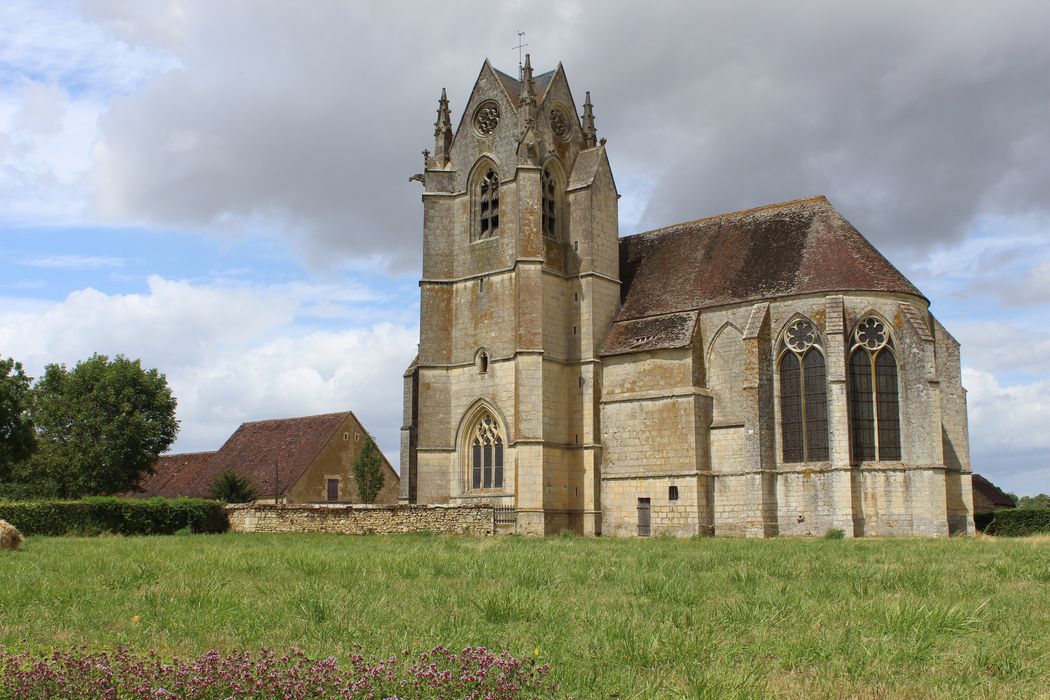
x,y
10,537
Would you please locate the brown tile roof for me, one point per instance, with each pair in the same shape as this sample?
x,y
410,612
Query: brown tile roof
x,y
252,450
172,474
795,247
992,492
655,332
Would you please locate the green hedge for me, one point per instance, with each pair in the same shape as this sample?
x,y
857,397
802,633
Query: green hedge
x,y
1018,522
121,516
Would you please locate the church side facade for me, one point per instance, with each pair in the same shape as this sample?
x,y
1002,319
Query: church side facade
x,y
760,373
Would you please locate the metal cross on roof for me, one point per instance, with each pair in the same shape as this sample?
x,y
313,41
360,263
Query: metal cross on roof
x,y
519,47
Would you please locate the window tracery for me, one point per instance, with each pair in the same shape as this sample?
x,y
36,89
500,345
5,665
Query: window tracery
x,y
803,395
550,204
486,454
488,205
874,394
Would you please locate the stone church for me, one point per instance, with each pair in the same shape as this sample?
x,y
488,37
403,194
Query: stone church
x,y
756,373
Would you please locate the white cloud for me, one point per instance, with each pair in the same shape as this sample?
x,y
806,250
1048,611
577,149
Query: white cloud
x,y
231,352
999,346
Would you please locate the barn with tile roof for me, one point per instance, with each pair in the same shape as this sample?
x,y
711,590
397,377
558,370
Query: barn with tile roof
x,y
295,460
756,373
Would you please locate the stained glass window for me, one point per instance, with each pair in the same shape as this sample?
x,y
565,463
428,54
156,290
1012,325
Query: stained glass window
x,y
803,395
791,408
874,394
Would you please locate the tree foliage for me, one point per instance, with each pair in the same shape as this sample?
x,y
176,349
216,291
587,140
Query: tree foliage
x,y
368,471
100,427
1040,501
17,440
232,487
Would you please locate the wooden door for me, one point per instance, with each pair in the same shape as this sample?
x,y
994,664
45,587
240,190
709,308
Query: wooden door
x,y
643,517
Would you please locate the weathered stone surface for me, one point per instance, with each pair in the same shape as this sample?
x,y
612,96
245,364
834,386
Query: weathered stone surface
x,y
640,374
361,519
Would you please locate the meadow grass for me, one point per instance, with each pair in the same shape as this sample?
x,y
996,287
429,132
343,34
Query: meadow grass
x,y
614,618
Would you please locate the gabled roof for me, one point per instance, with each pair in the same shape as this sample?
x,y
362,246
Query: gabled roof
x,y
253,450
172,474
991,492
797,247
513,85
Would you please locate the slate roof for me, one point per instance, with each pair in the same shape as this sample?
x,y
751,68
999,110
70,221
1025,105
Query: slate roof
x,y
992,492
513,85
798,247
293,443
172,474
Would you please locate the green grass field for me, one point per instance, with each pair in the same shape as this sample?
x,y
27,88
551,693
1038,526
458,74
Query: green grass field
x,y
614,618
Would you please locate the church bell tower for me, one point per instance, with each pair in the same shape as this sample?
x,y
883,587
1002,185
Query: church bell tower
x,y
520,283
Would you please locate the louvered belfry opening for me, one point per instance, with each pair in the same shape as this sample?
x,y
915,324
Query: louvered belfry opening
x,y
875,427
550,200
803,395
488,205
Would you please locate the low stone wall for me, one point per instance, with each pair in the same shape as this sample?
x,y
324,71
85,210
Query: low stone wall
x,y
361,519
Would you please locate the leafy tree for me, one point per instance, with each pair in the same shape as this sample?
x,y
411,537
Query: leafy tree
x,y
233,488
1040,501
17,441
368,470
100,427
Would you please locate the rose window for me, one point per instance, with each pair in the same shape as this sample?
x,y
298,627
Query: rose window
x,y
871,333
560,124
486,119
800,336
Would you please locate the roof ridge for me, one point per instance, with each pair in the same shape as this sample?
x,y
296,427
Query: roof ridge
x,y
291,418
186,454
740,212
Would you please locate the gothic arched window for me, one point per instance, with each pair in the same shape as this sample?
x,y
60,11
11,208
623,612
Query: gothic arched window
x,y
875,423
550,204
488,204
803,395
486,454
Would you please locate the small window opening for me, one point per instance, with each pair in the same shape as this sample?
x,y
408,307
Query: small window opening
x,y
346,437
575,245
574,330
483,362
581,381
576,296
357,437
672,493
481,284
577,438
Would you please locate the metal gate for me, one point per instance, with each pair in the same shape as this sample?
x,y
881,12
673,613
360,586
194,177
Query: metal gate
x,y
643,517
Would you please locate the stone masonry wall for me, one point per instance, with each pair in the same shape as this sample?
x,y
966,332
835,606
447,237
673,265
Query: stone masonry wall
x,y
361,519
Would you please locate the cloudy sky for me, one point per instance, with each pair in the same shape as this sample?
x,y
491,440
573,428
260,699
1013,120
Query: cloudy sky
x,y
221,188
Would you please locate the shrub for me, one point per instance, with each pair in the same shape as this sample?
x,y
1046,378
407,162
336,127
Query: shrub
x,y
121,516
232,487
439,673
1019,522
368,471
834,534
